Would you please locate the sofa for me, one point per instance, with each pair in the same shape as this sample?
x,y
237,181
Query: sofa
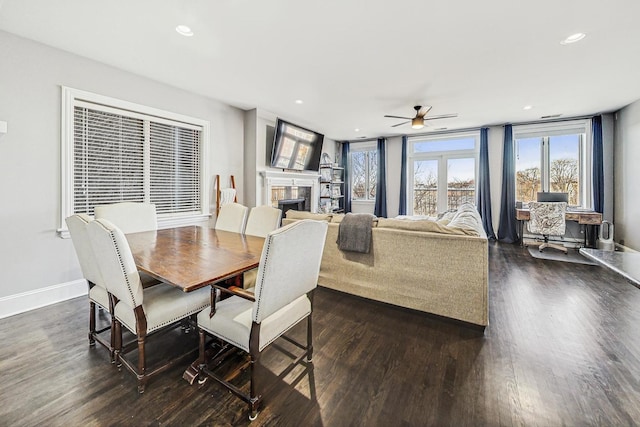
x,y
434,265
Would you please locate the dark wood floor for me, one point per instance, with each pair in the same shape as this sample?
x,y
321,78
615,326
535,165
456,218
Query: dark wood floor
x,y
562,348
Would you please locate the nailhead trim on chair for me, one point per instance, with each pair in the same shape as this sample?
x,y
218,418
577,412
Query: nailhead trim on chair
x,y
126,277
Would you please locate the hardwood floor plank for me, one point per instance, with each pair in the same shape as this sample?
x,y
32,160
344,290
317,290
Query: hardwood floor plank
x,y
562,348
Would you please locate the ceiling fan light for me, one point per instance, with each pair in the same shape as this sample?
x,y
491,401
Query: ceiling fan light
x,y
417,123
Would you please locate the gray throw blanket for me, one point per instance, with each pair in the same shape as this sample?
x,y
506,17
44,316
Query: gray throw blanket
x,y
354,233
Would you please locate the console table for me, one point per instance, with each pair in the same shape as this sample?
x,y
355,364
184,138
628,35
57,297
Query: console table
x,y
590,219
626,264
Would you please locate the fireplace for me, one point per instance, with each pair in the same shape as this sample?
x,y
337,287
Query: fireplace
x,y
291,190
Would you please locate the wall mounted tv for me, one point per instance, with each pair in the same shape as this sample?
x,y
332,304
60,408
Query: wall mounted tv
x,y
295,147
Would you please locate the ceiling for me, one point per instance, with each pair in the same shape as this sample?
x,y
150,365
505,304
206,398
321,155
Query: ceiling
x,y
353,61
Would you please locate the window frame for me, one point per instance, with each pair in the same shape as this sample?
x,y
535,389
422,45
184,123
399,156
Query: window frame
x,y
585,150
442,158
75,97
362,147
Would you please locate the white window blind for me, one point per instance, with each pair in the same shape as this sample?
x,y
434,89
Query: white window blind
x,y
175,168
108,159
116,151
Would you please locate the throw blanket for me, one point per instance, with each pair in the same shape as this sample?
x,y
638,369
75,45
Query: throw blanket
x,y
354,234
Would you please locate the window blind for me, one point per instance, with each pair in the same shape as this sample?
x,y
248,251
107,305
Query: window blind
x,y
129,157
175,168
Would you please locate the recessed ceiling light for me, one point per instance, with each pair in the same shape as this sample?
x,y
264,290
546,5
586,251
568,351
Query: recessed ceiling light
x,y
527,107
573,38
299,101
184,30
357,129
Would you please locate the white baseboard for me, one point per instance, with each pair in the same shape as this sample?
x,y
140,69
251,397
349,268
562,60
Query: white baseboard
x,y
19,303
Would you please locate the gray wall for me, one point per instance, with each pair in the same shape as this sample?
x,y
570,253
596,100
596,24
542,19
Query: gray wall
x,y
32,255
626,176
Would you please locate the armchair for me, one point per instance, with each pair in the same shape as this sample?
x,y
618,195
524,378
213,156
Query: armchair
x,y
142,311
283,297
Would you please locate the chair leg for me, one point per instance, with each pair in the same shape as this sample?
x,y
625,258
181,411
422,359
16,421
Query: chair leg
x,y
309,339
92,323
142,365
254,399
116,337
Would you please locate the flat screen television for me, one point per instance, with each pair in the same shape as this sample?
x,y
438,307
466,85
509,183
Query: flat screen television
x,y
295,147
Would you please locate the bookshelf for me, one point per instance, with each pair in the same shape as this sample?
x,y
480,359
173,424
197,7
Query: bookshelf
x,y
331,188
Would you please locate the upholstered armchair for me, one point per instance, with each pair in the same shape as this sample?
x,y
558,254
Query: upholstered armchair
x,y
77,225
143,312
232,217
283,296
548,219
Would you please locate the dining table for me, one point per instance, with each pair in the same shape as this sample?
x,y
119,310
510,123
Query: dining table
x,y
193,257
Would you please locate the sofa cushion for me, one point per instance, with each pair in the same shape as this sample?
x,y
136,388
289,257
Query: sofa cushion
x,y
293,214
424,225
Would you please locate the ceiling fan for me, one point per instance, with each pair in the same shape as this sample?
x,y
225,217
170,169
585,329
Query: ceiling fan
x,y
417,122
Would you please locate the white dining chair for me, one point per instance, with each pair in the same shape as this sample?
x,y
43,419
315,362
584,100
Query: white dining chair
x,y
142,311
130,217
262,220
77,225
283,297
232,217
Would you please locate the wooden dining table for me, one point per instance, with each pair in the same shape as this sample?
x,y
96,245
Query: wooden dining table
x,y
193,257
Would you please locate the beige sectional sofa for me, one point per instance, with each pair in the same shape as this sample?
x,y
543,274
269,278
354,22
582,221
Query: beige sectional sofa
x,y
438,267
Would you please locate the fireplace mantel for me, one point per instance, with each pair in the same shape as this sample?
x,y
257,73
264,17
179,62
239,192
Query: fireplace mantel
x,y
291,179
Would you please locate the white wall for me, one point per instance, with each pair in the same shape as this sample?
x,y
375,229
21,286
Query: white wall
x,y
33,256
626,176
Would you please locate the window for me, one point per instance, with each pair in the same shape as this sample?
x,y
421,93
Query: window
x,y
553,157
363,162
115,151
442,172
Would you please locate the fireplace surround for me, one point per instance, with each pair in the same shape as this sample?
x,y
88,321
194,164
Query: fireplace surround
x,y
288,186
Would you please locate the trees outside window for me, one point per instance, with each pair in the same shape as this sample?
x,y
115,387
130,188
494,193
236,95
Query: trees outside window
x,y
363,171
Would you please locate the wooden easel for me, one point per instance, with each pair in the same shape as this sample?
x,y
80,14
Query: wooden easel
x,y
218,190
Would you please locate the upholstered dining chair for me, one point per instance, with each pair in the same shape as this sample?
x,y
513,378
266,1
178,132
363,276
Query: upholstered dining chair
x,y
143,312
232,217
548,219
252,319
262,220
77,225
130,217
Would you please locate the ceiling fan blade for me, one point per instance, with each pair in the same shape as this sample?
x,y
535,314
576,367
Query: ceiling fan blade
x,y
442,116
400,124
424,110
399,117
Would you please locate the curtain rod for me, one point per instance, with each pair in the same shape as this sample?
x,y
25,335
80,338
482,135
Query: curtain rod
x,y
440,132
566,119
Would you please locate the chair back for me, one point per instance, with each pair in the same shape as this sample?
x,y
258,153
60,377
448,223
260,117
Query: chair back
x,y
77,225
129,217
263,220
547,218
116,262
289,265
232,217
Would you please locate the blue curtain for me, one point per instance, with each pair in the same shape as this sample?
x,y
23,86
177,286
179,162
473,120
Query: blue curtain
x,y
347,177
402,209
381,184
483,198
598,172
507,228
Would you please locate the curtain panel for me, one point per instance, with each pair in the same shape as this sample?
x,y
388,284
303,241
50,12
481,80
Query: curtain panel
x,y
507,228
598,171
483,201
381,180
346,176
